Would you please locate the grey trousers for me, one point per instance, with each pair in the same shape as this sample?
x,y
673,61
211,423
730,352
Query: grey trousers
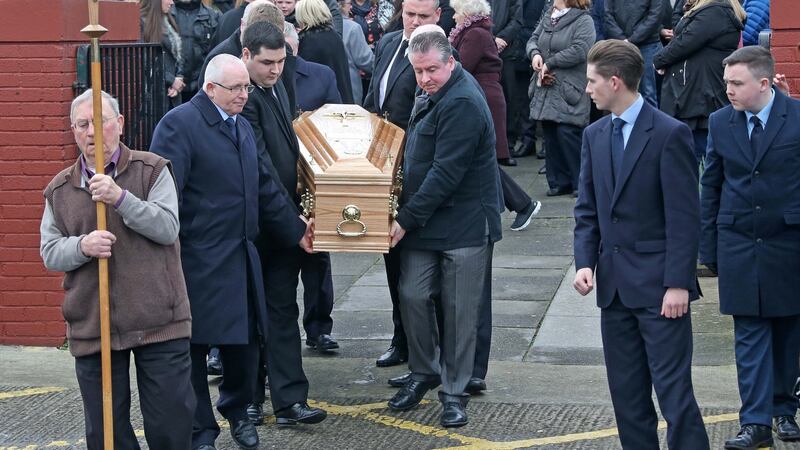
x,y
457,278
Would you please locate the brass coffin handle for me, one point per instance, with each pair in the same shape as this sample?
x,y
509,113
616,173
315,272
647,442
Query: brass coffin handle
x,y
351,214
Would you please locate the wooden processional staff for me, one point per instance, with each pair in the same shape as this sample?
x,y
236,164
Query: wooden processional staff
x,y
94,30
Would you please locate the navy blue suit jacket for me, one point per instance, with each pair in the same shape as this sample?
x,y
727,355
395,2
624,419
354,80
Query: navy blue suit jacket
x,y
640,234
751,211
316,85
224,198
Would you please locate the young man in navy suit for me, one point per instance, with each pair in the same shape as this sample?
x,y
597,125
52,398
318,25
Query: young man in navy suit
x,y
751,234
637,220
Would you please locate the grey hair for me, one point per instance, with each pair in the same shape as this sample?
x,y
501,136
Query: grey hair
x,y
86,96
216,67
431,40
436,4
471,7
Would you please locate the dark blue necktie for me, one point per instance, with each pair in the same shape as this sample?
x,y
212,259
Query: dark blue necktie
x,y
756,135
617,146
232,125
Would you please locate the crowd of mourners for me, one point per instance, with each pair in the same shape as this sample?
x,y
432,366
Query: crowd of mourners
x,y
212,208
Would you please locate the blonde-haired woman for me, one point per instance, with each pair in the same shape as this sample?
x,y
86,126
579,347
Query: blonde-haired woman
x,y
319,43
692,64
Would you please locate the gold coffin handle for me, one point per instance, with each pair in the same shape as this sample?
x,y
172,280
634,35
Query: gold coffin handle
x,y
351,214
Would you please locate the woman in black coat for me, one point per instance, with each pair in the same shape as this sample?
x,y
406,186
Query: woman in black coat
x,y
319,43
692,64
157,25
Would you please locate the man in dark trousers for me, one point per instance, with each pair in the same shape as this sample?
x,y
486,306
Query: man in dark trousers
x,y
268,110
391,94
637,22
636,226
226,197
750,198
448,221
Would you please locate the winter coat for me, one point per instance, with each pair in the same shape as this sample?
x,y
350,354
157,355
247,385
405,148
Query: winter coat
x,y
693,86
638,21
757,20
563,48
323,46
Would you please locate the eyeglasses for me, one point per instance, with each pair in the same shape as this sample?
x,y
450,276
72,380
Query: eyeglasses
x,y
236,89
83,124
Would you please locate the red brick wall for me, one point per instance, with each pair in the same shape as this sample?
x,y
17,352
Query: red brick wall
x,y
785,44
37,68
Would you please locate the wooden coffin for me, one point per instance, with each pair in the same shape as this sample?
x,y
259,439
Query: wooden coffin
x,y
349,177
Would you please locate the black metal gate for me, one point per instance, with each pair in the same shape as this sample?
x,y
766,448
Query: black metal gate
x,y
134,75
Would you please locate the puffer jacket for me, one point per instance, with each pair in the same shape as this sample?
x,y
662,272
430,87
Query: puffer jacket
x,y
757,20
563,48
693,86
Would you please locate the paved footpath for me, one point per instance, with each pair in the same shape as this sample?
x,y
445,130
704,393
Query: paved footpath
x,y
547,387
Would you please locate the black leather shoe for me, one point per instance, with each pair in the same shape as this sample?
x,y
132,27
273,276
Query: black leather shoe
x,y
509,162
558,191
205,447
393,357
214,365
751,437
400,381
475,386
322,343
244,434
300,413
786,428
255,412
409,395
453,415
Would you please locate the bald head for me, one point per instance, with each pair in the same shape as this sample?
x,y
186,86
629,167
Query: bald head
x,y
428,28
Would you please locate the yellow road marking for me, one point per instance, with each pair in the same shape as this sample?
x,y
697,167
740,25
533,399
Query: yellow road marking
x,y
575,437
29,392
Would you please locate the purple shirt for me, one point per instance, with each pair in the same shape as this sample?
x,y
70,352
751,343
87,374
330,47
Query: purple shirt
x,y
110,168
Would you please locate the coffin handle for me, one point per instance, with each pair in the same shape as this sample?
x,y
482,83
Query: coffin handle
x,y
351,214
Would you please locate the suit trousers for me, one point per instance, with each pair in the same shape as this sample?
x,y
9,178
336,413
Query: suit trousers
x,y
163,377
767,352
392,262
563,156
235,391
287,381
315,272
483,342
644,350
515,89
455,277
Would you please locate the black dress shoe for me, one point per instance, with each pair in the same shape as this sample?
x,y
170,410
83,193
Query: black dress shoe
x,y
400,381
453,415
475,386
322,343
751,437
510,162
299,412
786,428
558,191
214,365
255,412
409,395
393,357
205,447
244,434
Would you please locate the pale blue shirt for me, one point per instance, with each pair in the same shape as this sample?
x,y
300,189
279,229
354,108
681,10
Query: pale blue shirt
x,y
762,115
629,116
223,113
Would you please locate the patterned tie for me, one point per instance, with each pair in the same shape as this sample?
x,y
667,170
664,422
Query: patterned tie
x,y
617,146
756,135
232,125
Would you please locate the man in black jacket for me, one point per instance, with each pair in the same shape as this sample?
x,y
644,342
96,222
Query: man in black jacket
x,y
268,110
638,22
197,24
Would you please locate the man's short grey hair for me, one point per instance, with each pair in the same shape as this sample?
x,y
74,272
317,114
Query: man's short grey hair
x,y
436,4
86,96
216,68
431,40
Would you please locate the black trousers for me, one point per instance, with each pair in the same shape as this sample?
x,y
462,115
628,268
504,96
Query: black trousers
x,y
315,271
515,89
235,391
514,197
287,381
563,156
392,262
166,399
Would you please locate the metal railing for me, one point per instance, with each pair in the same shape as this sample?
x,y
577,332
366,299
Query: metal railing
x,y
134,74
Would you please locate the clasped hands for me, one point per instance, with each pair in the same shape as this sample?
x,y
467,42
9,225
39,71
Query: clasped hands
x,y
674,305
